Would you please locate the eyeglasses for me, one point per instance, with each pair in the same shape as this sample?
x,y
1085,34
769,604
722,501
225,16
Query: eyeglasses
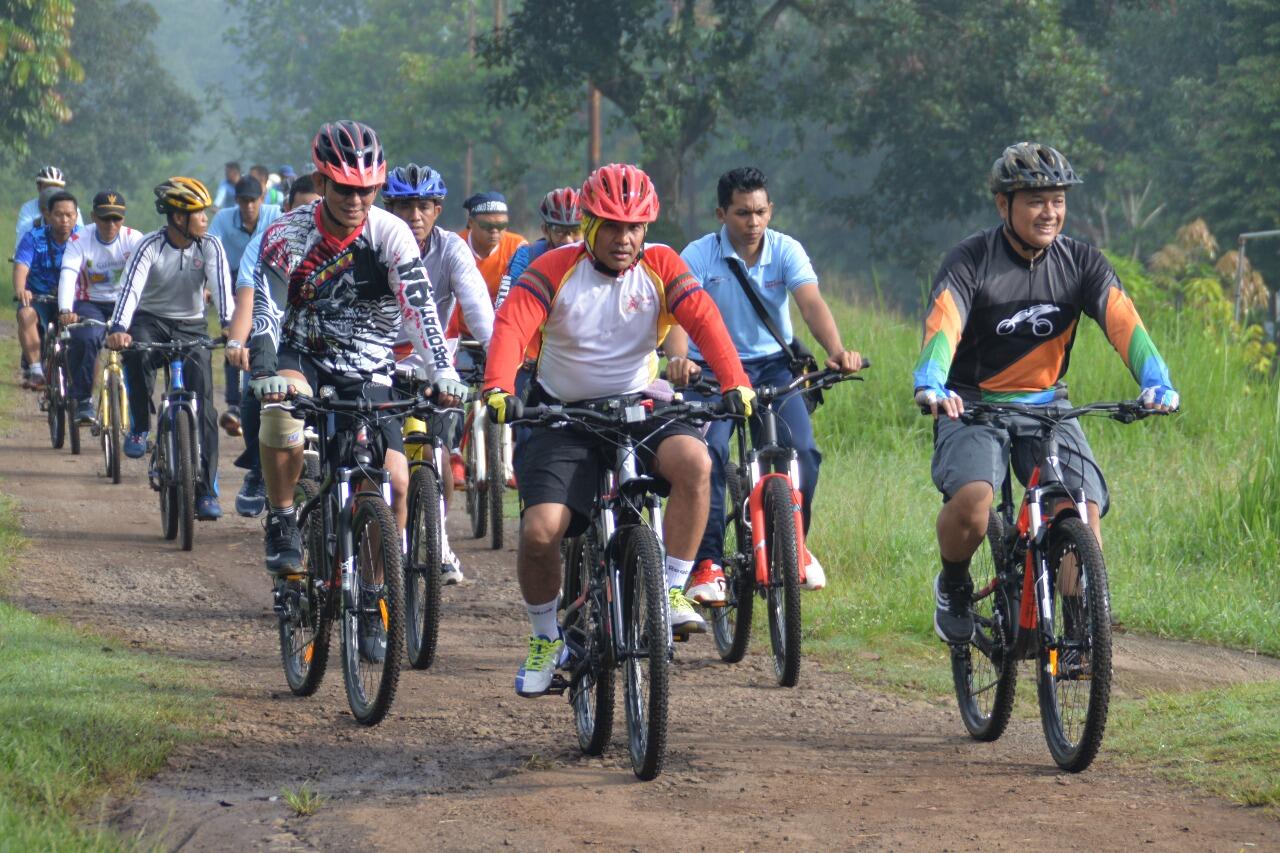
x,y
492,226
563,231
346,190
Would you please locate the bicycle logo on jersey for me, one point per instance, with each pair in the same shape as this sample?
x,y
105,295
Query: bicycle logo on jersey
x,y
1034,316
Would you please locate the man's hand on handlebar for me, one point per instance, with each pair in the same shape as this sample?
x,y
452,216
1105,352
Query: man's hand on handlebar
x,y
271,389
449,392
66,318
846,361
24,297
940,402
682,371
119,340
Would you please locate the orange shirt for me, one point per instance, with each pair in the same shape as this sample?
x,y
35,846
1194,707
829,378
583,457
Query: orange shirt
x,y
492,269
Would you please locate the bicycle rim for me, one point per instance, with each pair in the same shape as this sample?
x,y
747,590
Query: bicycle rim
x,y
168,491
422,568
112,430
647,637
592,693
477,506
1074,677
185,485
57,419
306,614
783,596
984,675
496,472
731,624
373,630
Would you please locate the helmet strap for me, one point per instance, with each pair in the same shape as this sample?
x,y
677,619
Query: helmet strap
x,y
1013,232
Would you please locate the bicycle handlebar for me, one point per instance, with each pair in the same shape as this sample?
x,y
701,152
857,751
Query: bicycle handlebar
x,y
322,405
816,381
175,346
623,416
1124,411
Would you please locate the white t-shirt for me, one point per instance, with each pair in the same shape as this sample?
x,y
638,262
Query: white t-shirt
x,y
92,269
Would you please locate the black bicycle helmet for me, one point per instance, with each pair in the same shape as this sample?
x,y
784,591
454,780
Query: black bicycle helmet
x,y
1031,166
348,152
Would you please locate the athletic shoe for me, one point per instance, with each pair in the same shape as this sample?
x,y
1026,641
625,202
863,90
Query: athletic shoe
x,y
208,508
372,641
135,445
84,411
283,543
685,618
952,620
814,576
35,377
252,497
459,470
534,676
450,567
230,421
706,584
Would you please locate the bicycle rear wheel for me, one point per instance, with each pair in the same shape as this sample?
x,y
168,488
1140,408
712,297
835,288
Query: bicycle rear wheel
x,y
477,497
496,473
373,629
783,595
647,639
592,692
304,604
422,568
731,624
111,429
73,425
184,469
1074,675
984,674
56,411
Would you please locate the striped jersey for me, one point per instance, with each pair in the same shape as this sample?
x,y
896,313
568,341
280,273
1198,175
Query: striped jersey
x,y
91,269
165,281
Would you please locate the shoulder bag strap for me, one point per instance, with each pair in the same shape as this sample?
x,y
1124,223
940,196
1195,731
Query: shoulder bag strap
x,y
736,267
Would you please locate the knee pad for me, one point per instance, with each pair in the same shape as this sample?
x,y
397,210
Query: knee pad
x,y
280,429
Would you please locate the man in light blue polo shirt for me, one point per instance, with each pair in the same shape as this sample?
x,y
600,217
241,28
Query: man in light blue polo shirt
x,y
235,227
775,265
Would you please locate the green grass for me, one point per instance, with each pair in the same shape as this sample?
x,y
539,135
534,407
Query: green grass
x,y
79,716
305,801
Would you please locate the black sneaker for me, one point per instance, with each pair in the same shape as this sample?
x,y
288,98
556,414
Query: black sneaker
x,y
952,620
283,543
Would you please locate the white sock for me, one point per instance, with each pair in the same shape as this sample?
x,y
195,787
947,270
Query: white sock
x,y
37,369
543,618
678,572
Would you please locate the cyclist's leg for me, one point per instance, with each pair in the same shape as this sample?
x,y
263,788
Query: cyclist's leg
x,y
683,461
85,343
231,394
198,377
280,446
29,326
250,420
140,370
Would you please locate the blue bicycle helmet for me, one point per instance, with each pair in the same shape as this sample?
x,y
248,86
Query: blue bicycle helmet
x,y
414,181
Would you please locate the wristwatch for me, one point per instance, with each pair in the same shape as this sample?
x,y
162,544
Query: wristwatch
x,y
232,343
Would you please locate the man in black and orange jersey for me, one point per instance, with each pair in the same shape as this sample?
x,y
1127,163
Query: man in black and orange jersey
x,y
1003,316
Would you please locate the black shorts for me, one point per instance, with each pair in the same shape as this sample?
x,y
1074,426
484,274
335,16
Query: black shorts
x,y
348,388
563,465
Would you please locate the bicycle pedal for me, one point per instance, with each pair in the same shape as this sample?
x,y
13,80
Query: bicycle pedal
x,y
559,684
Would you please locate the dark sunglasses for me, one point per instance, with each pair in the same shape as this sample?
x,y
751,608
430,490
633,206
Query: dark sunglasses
x,y
346,190
492,226
564,230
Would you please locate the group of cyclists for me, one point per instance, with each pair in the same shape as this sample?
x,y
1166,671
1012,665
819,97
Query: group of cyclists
x,y
328,289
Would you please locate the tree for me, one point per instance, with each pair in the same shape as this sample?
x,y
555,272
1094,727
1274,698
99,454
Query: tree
x,y
670,67
128,113
35,63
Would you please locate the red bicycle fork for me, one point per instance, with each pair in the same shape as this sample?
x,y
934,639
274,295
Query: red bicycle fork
x,y
759,544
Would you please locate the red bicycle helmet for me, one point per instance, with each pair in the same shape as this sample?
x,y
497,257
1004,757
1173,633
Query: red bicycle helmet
x,y
560,207
348,152
619,192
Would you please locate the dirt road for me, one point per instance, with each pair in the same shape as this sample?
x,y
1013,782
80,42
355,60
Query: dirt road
x,y
463,763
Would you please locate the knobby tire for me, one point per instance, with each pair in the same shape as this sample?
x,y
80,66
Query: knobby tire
x,y
185,471
731,624
496,473
422,568
647,633
305,624
783,595
592,694
376,556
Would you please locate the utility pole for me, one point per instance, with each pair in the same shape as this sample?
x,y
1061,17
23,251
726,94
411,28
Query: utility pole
x,y
469,158
593,128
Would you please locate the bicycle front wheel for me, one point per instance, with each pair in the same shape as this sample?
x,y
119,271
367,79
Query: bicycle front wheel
x,y
111,428
647,640
497,481
984,674
422,568
731,624
304,604
184,469
57,413
373,613
783,595
165,472
1074,673
73,425
591,692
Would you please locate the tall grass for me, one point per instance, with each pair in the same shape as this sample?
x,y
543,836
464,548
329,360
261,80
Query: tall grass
x,y
1192,539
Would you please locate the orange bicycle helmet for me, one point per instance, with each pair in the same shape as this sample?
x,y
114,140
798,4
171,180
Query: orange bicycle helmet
x,y
619,192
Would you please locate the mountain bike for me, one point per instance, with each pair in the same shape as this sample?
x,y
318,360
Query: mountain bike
x,y
111,407
55,398
175,471
615,592
352,559
764,530
1040,593
486,454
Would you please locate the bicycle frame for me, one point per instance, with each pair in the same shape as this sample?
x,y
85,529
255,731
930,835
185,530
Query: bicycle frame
x,y
768,460
179,397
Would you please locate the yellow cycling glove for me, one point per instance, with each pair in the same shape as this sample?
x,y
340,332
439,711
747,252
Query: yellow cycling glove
x,y
737,400
502,406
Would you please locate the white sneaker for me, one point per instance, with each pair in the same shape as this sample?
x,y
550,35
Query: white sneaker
x,y
814,576
706,584
685,618
534,677
450,566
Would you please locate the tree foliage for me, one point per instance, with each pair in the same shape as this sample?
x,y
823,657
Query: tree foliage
x,y
128,109
35,64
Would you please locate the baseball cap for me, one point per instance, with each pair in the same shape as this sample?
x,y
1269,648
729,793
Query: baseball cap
x,y
489,202
108,204
248,187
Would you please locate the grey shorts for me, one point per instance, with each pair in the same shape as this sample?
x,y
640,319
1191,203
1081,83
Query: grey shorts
x,y
967,453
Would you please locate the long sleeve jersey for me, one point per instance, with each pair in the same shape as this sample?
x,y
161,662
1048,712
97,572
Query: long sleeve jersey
x,y
599,328
342,300
93,270
1000,327
166,281
456,283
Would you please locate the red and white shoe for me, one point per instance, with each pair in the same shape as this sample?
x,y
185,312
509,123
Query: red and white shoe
x,y
814,576
706,584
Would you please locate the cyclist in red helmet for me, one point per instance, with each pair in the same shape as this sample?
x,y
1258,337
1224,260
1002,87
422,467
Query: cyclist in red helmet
x,y
336,279
561,225
601,307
